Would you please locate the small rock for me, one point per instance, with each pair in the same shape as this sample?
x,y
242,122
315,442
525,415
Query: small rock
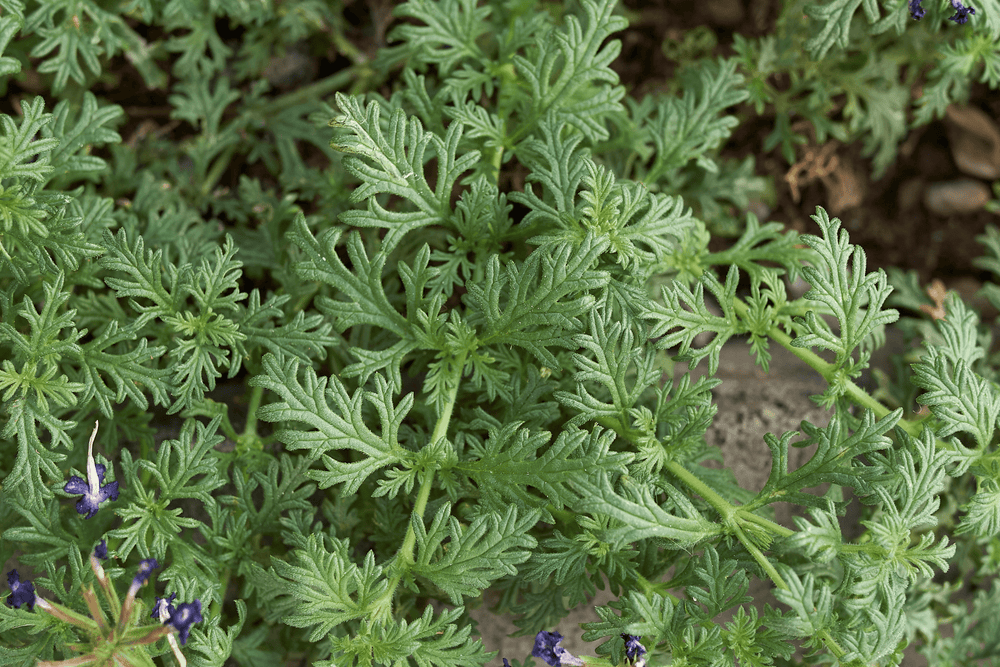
x,y
725,13
974,140
955,197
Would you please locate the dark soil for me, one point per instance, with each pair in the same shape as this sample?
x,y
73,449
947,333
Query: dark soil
x,y
892,231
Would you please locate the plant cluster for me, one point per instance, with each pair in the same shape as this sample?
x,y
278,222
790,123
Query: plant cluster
x,y
870,79
360,360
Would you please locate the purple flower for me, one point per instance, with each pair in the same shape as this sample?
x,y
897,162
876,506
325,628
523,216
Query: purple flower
x,y
505,663
163,609
633,649
184,616
146,568
21,592
100,553
916,11
961,12
91,492
547,648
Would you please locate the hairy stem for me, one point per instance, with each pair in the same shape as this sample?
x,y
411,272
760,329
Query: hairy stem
x,y
404,557
382,607
767,524
855,393
731,517
250,428
726,510
718,503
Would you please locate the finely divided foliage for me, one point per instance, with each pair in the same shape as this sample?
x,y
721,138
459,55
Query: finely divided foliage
x,y
461,328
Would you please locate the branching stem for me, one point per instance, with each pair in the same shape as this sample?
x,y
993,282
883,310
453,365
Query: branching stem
x,y
732,517
855,393
718,503
405,556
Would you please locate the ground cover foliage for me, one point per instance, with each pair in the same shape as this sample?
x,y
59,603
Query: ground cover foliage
x,y
436,339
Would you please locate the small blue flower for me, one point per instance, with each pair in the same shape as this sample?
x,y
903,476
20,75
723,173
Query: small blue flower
x,y
91,492
916,11
163,609
184,616
547,648
633,649
21,592
101,550
505,663
961,12
545,642
146,568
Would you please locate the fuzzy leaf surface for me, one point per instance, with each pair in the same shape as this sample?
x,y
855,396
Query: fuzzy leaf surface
x,y
334,419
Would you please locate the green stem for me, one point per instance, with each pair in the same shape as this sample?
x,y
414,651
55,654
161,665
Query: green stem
x,y
726,510
146,476
565,516
404,557
227,426
731,515
765,564
67,615
382,607
217,169
314,91
444,419
250,429
495,163
855,393
718,503
649,588
775,528
731,518
868,548
215,610
423,495
775,576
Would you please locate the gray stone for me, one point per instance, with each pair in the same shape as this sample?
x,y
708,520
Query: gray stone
x,y
726,13
956,197
974,141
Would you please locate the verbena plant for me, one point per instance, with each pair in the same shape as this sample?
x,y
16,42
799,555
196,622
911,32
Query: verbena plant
x,y
456,341
870,79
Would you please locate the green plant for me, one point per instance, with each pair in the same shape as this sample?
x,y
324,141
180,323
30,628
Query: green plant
x,y
464,322
871,79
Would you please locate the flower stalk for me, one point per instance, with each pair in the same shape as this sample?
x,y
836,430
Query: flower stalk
x,y
120,642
